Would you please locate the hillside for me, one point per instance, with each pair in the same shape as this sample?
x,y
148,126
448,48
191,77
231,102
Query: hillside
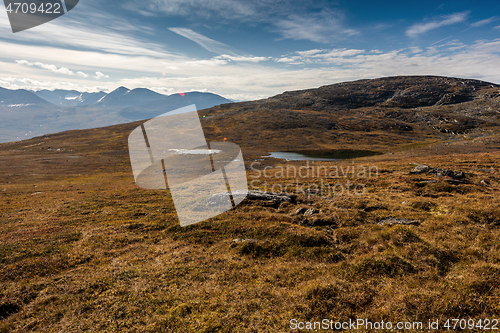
x,y
83,248
369,114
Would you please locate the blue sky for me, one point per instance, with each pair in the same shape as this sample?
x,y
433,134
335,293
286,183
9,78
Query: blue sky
x,y
246,50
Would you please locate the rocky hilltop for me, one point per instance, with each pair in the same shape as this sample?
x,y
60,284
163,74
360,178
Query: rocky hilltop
x,y
399,91
378,114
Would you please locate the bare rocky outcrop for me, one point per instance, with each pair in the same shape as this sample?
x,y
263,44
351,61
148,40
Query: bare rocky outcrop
x,y
421,169
221,198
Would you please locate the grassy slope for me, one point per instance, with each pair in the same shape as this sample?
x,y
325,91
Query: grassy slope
x,y
94,252
83,248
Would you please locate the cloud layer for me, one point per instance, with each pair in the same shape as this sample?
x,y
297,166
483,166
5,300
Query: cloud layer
x,y
422,28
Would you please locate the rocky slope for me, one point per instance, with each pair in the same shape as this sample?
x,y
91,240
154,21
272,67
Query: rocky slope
x,y
377,114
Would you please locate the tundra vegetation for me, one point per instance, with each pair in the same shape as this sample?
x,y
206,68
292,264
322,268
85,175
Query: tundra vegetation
x,y
82,248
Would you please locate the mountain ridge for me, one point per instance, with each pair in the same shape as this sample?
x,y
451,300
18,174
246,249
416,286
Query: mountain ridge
x,y
28,114
363,114
375,113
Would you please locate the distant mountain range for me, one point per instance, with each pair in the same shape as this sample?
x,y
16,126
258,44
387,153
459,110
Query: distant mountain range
x,y
20,97
26,114
70,97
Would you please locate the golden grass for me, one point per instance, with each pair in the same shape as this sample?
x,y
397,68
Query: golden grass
x,y
93,252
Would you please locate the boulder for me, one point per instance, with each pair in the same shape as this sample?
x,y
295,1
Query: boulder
x,y
310,212
300,211
221,198
398,221
420,169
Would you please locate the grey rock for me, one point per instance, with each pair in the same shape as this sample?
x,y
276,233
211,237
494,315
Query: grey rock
x,y
485,182
447,173
310,212
221,198
268,196
244,240
420,169
398,221
300,211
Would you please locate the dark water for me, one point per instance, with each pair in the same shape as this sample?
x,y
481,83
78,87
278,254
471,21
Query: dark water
x,y
322,155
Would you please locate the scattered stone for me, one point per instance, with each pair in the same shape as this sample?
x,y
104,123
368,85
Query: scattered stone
x,y
221,198
311,211
398,220
244,240
420,169
485,182
36,193
486,170
300,211
259,195
448,173
404,202
428,181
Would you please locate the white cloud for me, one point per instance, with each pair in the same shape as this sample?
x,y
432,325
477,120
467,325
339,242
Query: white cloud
x,y
309,52
295,60
319,56
422,28
242,58
52,68
235,9
497,27
32,84
214,46
474,61
89,32
485,22
454,45
324,27
205,42
247,80
81,74
133,62
99,75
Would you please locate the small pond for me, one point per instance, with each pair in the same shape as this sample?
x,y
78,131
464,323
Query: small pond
x,y
322,155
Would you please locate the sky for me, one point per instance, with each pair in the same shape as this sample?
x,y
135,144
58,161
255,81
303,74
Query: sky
x,y
246,50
